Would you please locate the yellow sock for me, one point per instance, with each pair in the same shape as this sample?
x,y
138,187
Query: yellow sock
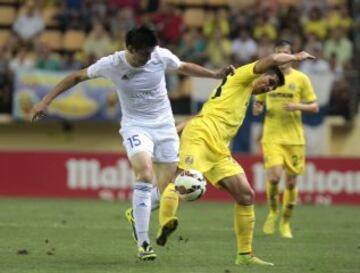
x,y
168,204
272,196
289,201
244,227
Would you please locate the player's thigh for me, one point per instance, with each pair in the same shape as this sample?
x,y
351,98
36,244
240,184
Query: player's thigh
x,y
273,155
166,141
294,159
164,173
239,188
135,140
226,166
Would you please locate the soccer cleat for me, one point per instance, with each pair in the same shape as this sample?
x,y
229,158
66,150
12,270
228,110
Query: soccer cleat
x,y
165,231
249,259
130,218
285,230
269,225
146,252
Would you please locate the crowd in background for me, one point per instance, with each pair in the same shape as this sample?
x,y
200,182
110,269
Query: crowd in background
x,y
235,34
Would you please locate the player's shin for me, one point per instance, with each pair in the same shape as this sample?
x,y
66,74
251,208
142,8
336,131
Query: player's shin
x,y
272,197
289,201
244,227
142,210
169,202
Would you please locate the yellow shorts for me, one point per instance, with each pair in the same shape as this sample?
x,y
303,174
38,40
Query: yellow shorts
x,y
292,157
201,149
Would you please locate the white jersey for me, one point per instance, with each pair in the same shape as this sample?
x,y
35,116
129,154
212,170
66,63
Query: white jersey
x,y
141,90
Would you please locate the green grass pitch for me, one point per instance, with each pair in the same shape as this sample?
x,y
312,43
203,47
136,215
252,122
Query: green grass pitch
x,y
67,235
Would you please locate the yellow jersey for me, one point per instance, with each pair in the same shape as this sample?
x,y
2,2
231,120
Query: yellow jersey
x,y
226,107
281,126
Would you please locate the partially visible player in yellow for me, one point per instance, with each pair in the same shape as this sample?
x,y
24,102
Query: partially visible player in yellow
x,y
204,146
283,139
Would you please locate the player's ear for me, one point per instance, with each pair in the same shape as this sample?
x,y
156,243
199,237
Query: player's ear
x,y
130,49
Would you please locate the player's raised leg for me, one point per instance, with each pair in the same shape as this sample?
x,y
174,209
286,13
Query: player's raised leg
x,y
273,175
244,218
168,203
289,201
142,166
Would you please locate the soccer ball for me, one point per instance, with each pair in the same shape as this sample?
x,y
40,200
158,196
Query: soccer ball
x,y
190,185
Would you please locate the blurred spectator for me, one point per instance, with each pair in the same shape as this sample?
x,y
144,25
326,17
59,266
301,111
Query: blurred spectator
x,y
29,23
265,46
46,59
118,41
23,59
192,47
238,20
244,48
123,21
312,42
263,27
74,14
316,66
291,20
216,21
315,24
339,16
218,49
119,4
340,46
5,82
150,6
169,23
340,100
98,42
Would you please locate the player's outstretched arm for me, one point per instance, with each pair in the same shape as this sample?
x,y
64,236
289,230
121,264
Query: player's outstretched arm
x,y
277,59
39,110
195,70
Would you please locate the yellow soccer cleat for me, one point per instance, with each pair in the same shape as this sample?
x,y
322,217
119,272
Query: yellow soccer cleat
x,y
285,230
146,252
269,225
250,259
165,231
130,219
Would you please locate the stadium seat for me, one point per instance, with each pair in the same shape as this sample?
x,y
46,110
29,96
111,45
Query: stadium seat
x,y
73,40
194,2
7,15
217,2
194,17
52,38
48,14
4,37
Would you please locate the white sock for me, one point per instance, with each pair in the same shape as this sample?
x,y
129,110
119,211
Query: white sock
x,y
155,198
142,209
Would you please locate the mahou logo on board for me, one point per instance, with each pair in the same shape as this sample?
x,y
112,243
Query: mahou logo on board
x,y
89,174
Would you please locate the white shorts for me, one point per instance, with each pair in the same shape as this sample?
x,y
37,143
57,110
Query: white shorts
x,y
162,141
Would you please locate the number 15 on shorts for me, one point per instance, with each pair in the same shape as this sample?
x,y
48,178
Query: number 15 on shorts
x,y
134,141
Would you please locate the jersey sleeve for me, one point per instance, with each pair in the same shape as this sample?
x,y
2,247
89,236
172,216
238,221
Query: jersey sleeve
x,y
307,91
101,67
170,60
245,74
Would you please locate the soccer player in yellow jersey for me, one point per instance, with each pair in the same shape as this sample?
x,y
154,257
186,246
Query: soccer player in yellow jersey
x,y
283,139
204,146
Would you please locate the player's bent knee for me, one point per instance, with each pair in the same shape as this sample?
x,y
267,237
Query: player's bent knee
x,y
145,175
246,198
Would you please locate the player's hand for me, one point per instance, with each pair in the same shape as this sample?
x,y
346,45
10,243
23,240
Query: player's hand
x,y
303,55
39,111
258,107
222,73
291,107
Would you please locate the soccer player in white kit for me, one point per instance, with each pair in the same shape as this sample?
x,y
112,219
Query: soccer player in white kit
x,y
147,125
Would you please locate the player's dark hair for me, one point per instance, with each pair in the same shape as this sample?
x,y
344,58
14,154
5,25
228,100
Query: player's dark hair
x,y
274,70
141,37
282,43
